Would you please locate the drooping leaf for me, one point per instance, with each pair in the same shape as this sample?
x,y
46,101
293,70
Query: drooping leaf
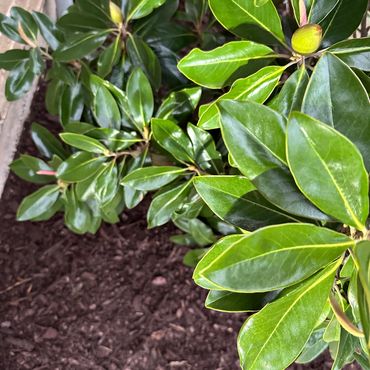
x,y
259,342
346,109
223,65
109,58
240,263
71,104
341,181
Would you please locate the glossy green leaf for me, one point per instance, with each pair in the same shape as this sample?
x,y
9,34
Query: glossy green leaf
x,y
140,98
293,316
83,22
107,183
343,20
141,8
321,9
80,46
354,52
345,350
84,143
48,30
234,199
206,155
278,187
20,80
248,21
47,144
9,28
201,232
38,203
254,135
171,137
341,181
10,58
193,256
257,87
105,109
180,104
165,204
109,58
142,56
240,264
346,109
71,104
223,65
79,167
24,19
225,301
152,178
291,95
26,167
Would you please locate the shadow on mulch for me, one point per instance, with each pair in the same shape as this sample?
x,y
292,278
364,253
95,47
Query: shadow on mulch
x,y
121,299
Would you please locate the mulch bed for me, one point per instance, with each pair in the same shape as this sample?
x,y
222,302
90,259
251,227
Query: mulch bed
x,y
121,299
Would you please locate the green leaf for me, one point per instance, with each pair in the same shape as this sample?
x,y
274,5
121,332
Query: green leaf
x,y
47,29
11,58
205,153
105,109
341,181
248,21
259,342
47,144
171,137
193,256
9,28
84,143
79,167
142,56
38,203
79,46
20,80
343,20
152,178
26,167
83,22
345,350
71,104
291,95
257,87
224,301
200,232
220,67
355,52
24,19
142,8
321,9
239,264
346,109
109,57
107,183
234,199
180,104
278,187
166,203
140,98
254,135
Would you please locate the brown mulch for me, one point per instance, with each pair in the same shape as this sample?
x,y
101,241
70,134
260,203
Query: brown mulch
x,y
121,299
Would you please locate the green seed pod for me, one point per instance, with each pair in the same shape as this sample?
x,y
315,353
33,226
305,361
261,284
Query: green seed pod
x,y
115,13
307,39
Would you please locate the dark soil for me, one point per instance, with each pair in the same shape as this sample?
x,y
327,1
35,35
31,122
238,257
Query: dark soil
x,y
121,299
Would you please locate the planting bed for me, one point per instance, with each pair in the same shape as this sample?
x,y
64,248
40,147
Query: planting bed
x,y
121,299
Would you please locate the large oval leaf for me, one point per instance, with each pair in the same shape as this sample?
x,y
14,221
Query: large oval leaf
x,y
328,169
253,263
234,199
223,65
254,135
245,19
257,87
336,96
292,317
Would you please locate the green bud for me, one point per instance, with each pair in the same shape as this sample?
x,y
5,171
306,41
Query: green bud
x,y
115,13
307,39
